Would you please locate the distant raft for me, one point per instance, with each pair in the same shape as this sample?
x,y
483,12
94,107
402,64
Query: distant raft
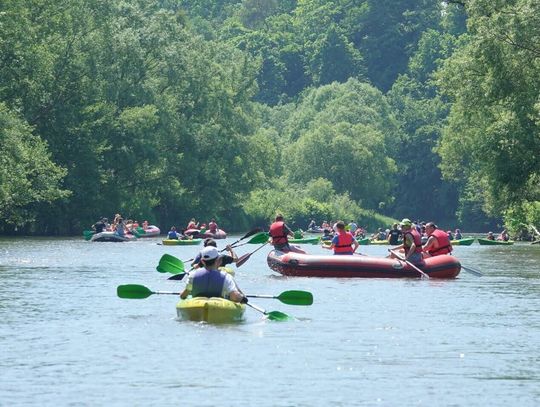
x,y
487,242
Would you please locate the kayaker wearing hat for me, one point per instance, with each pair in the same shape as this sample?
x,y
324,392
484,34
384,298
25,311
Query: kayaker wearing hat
x,y
211,282
412,243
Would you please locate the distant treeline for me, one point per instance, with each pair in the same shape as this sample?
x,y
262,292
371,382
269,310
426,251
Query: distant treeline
x,y
368,110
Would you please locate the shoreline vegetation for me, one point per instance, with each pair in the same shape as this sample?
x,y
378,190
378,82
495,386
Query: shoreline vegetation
x,y
231,111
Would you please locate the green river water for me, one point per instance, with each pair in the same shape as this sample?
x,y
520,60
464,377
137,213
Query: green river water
x,y
66,339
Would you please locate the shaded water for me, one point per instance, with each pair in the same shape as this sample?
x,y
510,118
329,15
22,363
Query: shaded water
x,y
67,339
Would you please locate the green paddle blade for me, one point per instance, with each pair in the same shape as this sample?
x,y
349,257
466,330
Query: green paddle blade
x,y
133,291
259,238
296,297
170,264
277,316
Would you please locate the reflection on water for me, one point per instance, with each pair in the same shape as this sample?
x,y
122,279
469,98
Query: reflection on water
x,y
67,339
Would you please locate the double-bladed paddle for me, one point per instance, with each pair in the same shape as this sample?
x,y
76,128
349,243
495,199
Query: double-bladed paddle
x,y
272,315
138,292
242,259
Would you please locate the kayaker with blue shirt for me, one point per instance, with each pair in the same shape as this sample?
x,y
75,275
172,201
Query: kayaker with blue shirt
x,y
210,281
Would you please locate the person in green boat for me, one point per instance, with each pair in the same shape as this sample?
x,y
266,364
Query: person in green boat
x,y
210,281
173,234
458,235
490,236
504,236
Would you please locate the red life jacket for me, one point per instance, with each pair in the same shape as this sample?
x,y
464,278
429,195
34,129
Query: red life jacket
x,y
278,233
416,238
344,245
444,243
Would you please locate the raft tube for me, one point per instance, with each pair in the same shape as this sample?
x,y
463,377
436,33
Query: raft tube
x,y
307,265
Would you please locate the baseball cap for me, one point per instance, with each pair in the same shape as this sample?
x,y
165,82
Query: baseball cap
x,y
406,222
209,253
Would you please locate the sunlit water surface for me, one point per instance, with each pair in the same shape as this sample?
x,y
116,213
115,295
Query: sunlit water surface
x,y
67,339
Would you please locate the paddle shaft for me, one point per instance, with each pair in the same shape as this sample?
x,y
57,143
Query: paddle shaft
x,y
472,271
246,257
422,274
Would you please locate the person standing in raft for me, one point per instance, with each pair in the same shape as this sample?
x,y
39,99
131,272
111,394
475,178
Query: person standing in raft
x,y
211,282
412,244
279,233
343,242
438,241
120,228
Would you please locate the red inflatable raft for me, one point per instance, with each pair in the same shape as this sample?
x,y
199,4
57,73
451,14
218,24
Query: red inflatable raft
x,y
308,265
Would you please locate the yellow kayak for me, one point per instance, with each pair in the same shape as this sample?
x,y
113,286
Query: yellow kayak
x,y
215,310
180,242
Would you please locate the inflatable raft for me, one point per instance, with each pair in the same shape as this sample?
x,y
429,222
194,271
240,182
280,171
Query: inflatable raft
x,y
220,234
111,237
307,265
150,231
215,310
181,242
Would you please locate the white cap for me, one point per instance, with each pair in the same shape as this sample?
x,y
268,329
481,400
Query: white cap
x,y
209,253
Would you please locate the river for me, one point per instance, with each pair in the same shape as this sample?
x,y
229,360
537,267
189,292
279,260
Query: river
x,y
66,339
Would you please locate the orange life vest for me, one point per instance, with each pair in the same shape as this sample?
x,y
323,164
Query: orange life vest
x,y
444,243
344,245
278,233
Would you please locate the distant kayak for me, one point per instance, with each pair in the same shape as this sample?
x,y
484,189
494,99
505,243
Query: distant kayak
x,y
487,242
462,242
181,242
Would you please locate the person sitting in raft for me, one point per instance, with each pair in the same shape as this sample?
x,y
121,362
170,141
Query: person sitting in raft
x,y
173,234
145,225
224,258
210,281
312,225
343,242
458,235
438,241
412,244
192,224
100,225
490,236
212,226
394,236
279,233
120,229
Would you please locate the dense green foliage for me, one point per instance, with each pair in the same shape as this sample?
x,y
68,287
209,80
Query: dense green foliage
x,y
369,110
